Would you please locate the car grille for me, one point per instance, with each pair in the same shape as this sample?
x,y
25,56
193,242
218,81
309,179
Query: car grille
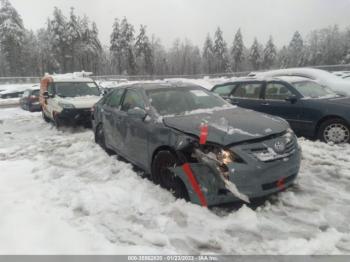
x,y
267,151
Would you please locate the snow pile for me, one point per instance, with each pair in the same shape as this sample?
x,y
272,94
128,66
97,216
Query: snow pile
x,y
61,194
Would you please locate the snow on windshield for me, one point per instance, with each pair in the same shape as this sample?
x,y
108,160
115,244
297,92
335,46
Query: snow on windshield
x,y
74,89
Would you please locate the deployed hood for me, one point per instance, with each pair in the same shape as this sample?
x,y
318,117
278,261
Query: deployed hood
x,y
228,126
80,101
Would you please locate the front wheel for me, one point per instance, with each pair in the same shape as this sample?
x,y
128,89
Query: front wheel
x,y
334,130
166,178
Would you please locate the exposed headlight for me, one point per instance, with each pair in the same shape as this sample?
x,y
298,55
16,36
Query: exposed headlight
x,y
66,105
220,155
225,156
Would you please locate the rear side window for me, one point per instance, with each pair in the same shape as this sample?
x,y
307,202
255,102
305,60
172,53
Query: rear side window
x,y
248,90
132,100
224,90
114,99
50,88
277,91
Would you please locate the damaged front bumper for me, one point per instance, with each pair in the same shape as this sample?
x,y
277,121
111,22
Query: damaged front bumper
x,y
254,178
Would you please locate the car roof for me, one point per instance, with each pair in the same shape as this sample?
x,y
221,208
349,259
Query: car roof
x,y
288,79
159,85
70,77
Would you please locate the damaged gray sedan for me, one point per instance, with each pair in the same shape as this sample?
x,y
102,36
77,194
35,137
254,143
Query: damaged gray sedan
x,y
197,145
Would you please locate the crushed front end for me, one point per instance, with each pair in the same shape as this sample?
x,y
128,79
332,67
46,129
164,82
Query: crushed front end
x,y
215,175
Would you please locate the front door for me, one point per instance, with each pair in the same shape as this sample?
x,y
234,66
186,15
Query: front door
x,y
135,130
276,95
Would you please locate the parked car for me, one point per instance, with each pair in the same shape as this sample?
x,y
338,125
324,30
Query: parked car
x,y
10,94
30,99
67,99
323,77
195,144
312,110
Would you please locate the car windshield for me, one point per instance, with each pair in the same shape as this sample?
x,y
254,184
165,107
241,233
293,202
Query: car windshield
x,y
179,100
311,89
74,89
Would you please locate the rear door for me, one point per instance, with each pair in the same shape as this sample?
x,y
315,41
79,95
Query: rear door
x,y
275,103
248,95
110,119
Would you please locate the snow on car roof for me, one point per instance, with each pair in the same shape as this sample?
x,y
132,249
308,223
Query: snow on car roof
x,y
293,79
71,77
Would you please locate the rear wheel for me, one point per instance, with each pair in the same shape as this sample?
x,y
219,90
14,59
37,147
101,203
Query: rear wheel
x,y
46,119
101,141
166,178
334,130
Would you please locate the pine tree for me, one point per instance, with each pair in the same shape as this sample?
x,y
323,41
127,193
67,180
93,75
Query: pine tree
x,y
237,51
143,52
12,35
254,55
127,42
116,46
296,50
208,55
60,44
269,55
220,52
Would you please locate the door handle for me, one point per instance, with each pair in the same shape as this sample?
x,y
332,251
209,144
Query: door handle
x,y
265,104
235,102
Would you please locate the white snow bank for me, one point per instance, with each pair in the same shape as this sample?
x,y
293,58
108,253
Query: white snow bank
x,y
61,194
4,89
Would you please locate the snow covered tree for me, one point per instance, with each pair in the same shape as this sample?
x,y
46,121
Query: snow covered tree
x,y
296,51
254,55
269,55
12,35
237,51
208,55
283,57
143,52
116,46
220,52
127,43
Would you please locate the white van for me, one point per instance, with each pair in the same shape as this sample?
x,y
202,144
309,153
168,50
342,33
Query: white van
x,y
67,99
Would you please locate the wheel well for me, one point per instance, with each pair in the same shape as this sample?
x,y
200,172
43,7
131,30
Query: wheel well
x,y
322,120
162,148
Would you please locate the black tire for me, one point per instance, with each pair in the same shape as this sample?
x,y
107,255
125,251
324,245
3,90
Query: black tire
x,y
167,179
100,137
46,119
101,141
334,130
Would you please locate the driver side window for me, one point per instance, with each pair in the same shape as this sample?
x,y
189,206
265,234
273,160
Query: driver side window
x,y
277,91
114,98
132,100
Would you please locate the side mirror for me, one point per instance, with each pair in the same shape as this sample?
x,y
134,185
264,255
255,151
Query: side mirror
x,y
137,113
46,95
292,99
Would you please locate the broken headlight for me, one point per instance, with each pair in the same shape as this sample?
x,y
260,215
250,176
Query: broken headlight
x,y
219,155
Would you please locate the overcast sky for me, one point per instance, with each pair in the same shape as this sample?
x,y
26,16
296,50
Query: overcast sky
x,y
193,19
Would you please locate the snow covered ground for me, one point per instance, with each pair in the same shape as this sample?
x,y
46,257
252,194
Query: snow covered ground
x,y
61,194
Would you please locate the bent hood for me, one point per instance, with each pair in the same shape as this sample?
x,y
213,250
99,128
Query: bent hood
x,y
228,126
80,101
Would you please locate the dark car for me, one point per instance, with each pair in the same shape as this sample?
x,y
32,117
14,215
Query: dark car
x,y
195,144
30,100
312,110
